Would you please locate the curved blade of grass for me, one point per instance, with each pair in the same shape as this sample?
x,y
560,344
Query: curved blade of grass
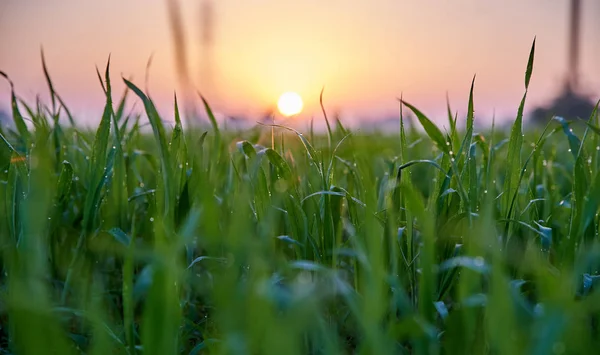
x,y
165,159
330,135
431,129
278,162
98,173
574,142
49,82
17,117
466,143
512,179
312,153
211,116
423,161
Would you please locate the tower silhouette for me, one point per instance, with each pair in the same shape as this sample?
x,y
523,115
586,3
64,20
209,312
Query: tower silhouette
x,y
571,103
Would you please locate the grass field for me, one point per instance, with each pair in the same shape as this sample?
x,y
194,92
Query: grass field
x,y
193,242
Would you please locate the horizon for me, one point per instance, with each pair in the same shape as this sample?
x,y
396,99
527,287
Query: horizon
x,y
365,56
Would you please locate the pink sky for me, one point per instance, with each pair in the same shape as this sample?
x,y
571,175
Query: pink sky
x,y
365,53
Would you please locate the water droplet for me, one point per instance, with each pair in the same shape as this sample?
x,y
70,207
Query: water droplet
x,y
141,184
448,143
485,191
479,261
598,147
49,218
87,158
545,163
114,147
180,166
452,159
451,152
151,219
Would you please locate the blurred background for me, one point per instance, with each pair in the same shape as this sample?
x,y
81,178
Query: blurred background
x,y
243,54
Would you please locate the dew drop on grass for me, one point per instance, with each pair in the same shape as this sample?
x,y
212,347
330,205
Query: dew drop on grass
x,y
485,191
479,261
451,153
598,147
141,184
545,163
180,166
76,178
87,158
569,149
447,143
151,219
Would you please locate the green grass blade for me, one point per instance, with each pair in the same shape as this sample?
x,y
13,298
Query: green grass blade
x,y
512,179
432,131
165,159
17,117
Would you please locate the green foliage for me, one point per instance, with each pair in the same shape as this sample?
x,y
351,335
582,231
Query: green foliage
x,y
210,242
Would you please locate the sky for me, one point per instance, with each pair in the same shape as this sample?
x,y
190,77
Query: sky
x,y
365,54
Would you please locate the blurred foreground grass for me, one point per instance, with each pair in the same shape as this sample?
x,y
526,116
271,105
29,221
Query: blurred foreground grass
x,y
191,242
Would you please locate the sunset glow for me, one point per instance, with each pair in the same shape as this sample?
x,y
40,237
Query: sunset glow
x,y
290,104
365,54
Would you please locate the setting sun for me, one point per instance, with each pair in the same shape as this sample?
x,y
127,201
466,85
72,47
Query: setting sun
x,y
289,104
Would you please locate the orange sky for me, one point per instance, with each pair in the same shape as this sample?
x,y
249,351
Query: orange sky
x,y
365,53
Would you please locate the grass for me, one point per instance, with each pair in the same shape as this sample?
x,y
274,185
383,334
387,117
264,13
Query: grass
x,y
202,242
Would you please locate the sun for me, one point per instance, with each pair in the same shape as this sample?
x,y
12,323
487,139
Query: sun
x,y
289,104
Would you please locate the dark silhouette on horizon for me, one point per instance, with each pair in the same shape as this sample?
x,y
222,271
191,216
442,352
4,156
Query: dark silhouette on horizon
x,y
571,104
